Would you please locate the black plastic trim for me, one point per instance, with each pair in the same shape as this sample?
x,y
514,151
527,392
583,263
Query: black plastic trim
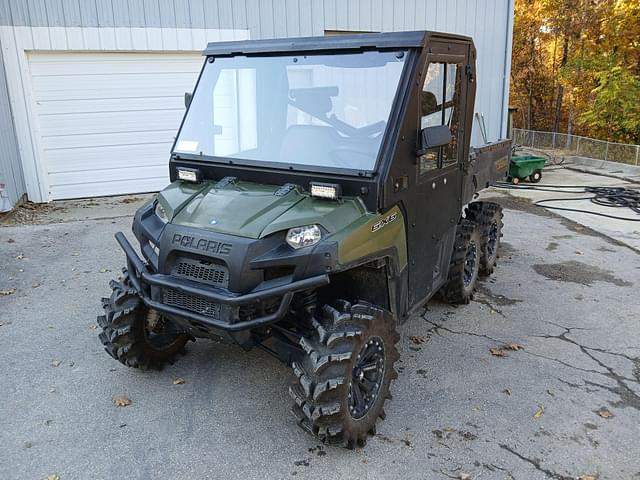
x,y
364,41
141,277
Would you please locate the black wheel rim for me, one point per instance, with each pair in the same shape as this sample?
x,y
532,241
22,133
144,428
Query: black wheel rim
x,y
366,377
159,332
470,262
492,240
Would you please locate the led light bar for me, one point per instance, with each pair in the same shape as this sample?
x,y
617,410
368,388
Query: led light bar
x,y
188,174
331,191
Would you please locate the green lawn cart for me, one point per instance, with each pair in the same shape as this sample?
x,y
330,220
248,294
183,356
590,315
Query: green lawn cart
x,y
526,166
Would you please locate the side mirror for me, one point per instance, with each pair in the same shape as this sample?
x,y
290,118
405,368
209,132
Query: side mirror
x,y
432,137
187,99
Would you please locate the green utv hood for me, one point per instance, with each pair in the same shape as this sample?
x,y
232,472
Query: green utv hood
x,y
253,210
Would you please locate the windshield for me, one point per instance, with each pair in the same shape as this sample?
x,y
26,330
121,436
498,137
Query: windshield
x,y
308,110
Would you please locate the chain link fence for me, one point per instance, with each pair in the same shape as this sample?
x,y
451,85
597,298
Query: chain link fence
x,y
564,144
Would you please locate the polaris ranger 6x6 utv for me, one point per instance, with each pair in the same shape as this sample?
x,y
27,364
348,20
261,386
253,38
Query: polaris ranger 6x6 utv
x,y
321,192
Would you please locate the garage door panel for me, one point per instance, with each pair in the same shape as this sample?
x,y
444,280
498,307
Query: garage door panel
x,y
119,187
102,139
110,122
109,175
58,58
175,102
141,91
141,155
107,86
107,120
144,66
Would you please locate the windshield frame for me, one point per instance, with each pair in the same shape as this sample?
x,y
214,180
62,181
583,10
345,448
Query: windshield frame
x,y
391,124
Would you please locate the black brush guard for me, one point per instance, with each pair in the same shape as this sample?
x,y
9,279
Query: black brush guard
x,y
142,278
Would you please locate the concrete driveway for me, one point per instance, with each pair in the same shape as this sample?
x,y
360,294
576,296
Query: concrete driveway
x,y
565,405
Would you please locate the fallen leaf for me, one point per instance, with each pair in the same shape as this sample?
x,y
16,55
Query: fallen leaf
x,y
104,270
93,326
7,291
588,477
20,256
56,363
53,476
464,476
578,252
418,339
502,350
11,240
35,285
539,412
604,413
121,400
507,391
178,381
52,390
27,444
498,352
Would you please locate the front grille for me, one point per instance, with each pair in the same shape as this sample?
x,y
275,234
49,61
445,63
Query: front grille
x,y
202,271
192,303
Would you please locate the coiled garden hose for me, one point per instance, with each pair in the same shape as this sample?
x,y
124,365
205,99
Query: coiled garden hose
x,y
616,197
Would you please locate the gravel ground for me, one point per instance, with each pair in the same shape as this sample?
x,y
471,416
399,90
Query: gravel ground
x,y
565,405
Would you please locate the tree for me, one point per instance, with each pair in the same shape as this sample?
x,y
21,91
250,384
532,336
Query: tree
x,y
576,66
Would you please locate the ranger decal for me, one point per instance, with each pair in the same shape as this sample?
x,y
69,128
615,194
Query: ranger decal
x,y
384,222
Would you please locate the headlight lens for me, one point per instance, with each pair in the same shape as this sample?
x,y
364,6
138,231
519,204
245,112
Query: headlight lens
x,y
161,213
299,237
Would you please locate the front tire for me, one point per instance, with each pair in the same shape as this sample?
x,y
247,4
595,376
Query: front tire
x,y
345,374
135,335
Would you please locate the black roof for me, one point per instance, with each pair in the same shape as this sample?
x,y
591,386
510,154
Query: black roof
x,y
361,41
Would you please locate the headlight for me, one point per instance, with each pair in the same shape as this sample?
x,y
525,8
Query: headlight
x,y
299,237
161,213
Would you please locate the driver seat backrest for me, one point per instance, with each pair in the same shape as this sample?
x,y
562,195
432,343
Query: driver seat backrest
x,y
308,144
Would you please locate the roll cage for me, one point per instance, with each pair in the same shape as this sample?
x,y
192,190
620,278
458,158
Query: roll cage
x,y
370,185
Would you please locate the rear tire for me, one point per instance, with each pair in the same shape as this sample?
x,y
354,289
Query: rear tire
x,y
345,373
515,180
488,216
465,264
535,177
135,335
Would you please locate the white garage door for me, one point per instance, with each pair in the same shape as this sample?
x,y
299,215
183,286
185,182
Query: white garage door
x,y
107,120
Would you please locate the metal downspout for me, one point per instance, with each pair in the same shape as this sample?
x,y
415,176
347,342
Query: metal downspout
x,y
507,69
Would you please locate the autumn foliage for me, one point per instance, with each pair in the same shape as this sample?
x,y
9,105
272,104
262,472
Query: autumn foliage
x,y
576,67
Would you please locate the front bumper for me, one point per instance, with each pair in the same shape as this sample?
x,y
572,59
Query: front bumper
x,y
142,279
